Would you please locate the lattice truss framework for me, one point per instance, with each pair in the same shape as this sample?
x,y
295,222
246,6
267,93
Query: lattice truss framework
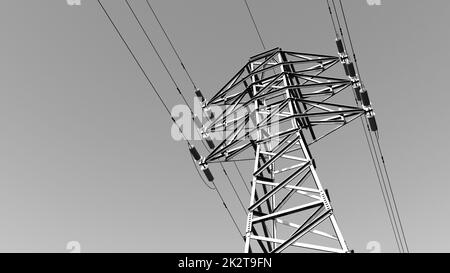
x,y
277,105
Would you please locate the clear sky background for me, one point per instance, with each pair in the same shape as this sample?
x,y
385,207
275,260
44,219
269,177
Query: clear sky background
x,y
86,152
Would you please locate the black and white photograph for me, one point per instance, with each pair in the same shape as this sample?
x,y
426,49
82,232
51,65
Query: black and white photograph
x,y
247,127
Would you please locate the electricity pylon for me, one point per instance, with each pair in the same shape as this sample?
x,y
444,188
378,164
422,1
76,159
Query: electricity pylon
x,y
272,110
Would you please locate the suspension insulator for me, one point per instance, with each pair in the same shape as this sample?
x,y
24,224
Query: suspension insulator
x,y
209,113
340,46
365,98
197,121
357,90
208,173
327,194
199,95
194,153
372,123
351,70
347,72
210,142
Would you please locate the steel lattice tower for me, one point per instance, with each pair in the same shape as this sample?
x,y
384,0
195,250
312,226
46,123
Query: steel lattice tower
x,y
273,109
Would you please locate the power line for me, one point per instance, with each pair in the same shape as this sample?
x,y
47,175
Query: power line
x,y
377,138
349,36
390,197
142,70
375,160
234,189
152,85
171,44
331,15
388,208
390,189
392,209
162,62
179,92
337,18
162,101
240,174
157,53
199,174
254,24
185,69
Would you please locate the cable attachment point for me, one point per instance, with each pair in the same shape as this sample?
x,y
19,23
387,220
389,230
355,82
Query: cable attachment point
x,y
330,89
350,70
357,90
204,103
200,96
206,170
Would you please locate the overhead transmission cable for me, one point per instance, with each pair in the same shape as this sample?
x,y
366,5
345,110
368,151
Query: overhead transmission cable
x,y
376,133
165,106
374,156
171,44
385,185
377,136
186,70
380,178
254,24
193,83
